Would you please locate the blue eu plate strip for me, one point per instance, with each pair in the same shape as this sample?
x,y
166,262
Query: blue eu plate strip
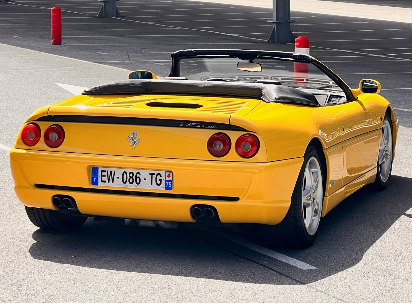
x,y
95,176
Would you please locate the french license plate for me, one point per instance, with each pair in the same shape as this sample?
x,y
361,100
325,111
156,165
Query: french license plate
x,y
130,178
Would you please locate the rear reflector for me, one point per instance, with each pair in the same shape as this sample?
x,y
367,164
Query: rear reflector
x,y
31,134
247,145
54,136
219,144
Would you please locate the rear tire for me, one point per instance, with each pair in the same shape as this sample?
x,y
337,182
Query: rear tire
x,y
300,226
53,220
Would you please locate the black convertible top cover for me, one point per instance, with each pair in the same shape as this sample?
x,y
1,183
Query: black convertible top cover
x,y
265,92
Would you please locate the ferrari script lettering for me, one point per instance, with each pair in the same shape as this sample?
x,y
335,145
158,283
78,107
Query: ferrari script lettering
x,y
197,125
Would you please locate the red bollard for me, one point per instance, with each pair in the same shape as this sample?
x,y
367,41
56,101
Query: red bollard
x,y
56,25
302,45
301,69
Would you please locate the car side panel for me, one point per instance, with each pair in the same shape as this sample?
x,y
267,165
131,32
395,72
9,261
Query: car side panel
x,y
346,132
379,105
334,199
360,155
334,160
360,127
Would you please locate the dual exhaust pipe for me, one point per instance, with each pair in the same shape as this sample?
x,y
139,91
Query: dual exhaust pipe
x,y
64,202
198,212
204,212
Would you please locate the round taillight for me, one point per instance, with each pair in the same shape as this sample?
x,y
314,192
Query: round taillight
x,y
247,145
219,144
54,136
31,134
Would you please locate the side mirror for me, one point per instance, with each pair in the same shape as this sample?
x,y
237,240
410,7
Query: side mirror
x,y
142,74
369,86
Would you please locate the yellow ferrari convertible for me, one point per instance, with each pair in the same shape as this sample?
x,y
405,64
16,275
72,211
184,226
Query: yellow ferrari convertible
x,y
229,137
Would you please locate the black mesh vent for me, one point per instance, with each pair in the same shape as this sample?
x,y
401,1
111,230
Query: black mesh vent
x,y
174,105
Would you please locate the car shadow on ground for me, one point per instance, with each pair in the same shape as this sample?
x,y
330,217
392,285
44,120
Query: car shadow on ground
x,y
353,227
347,232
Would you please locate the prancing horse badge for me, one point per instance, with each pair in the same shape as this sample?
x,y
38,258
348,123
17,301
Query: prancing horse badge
x,y
133,139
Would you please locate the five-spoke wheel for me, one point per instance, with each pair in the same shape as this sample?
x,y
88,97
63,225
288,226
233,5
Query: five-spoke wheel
x,y
300,226
312,195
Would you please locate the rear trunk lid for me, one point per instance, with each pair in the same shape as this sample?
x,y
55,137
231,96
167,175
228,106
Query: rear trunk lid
x,y
165,126
192,108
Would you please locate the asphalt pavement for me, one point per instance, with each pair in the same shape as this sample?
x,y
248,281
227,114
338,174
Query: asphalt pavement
x,y
364,246
149,31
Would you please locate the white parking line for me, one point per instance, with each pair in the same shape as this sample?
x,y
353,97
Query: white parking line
x,y
75,90
270,253
362,53
3,147
396,89
406,110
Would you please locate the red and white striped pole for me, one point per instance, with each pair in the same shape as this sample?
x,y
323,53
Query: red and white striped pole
x,y
302,45
301,69
56,25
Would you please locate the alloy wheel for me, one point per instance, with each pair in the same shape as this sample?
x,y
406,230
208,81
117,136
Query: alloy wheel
x,y
312,195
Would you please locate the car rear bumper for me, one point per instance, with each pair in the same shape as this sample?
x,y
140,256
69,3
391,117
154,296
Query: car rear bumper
x,y
241,192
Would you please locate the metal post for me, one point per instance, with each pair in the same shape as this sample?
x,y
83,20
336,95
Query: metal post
x,y
108,9
281,32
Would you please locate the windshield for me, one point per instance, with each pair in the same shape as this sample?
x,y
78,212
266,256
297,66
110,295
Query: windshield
x,y
303,76
294,72
286,72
